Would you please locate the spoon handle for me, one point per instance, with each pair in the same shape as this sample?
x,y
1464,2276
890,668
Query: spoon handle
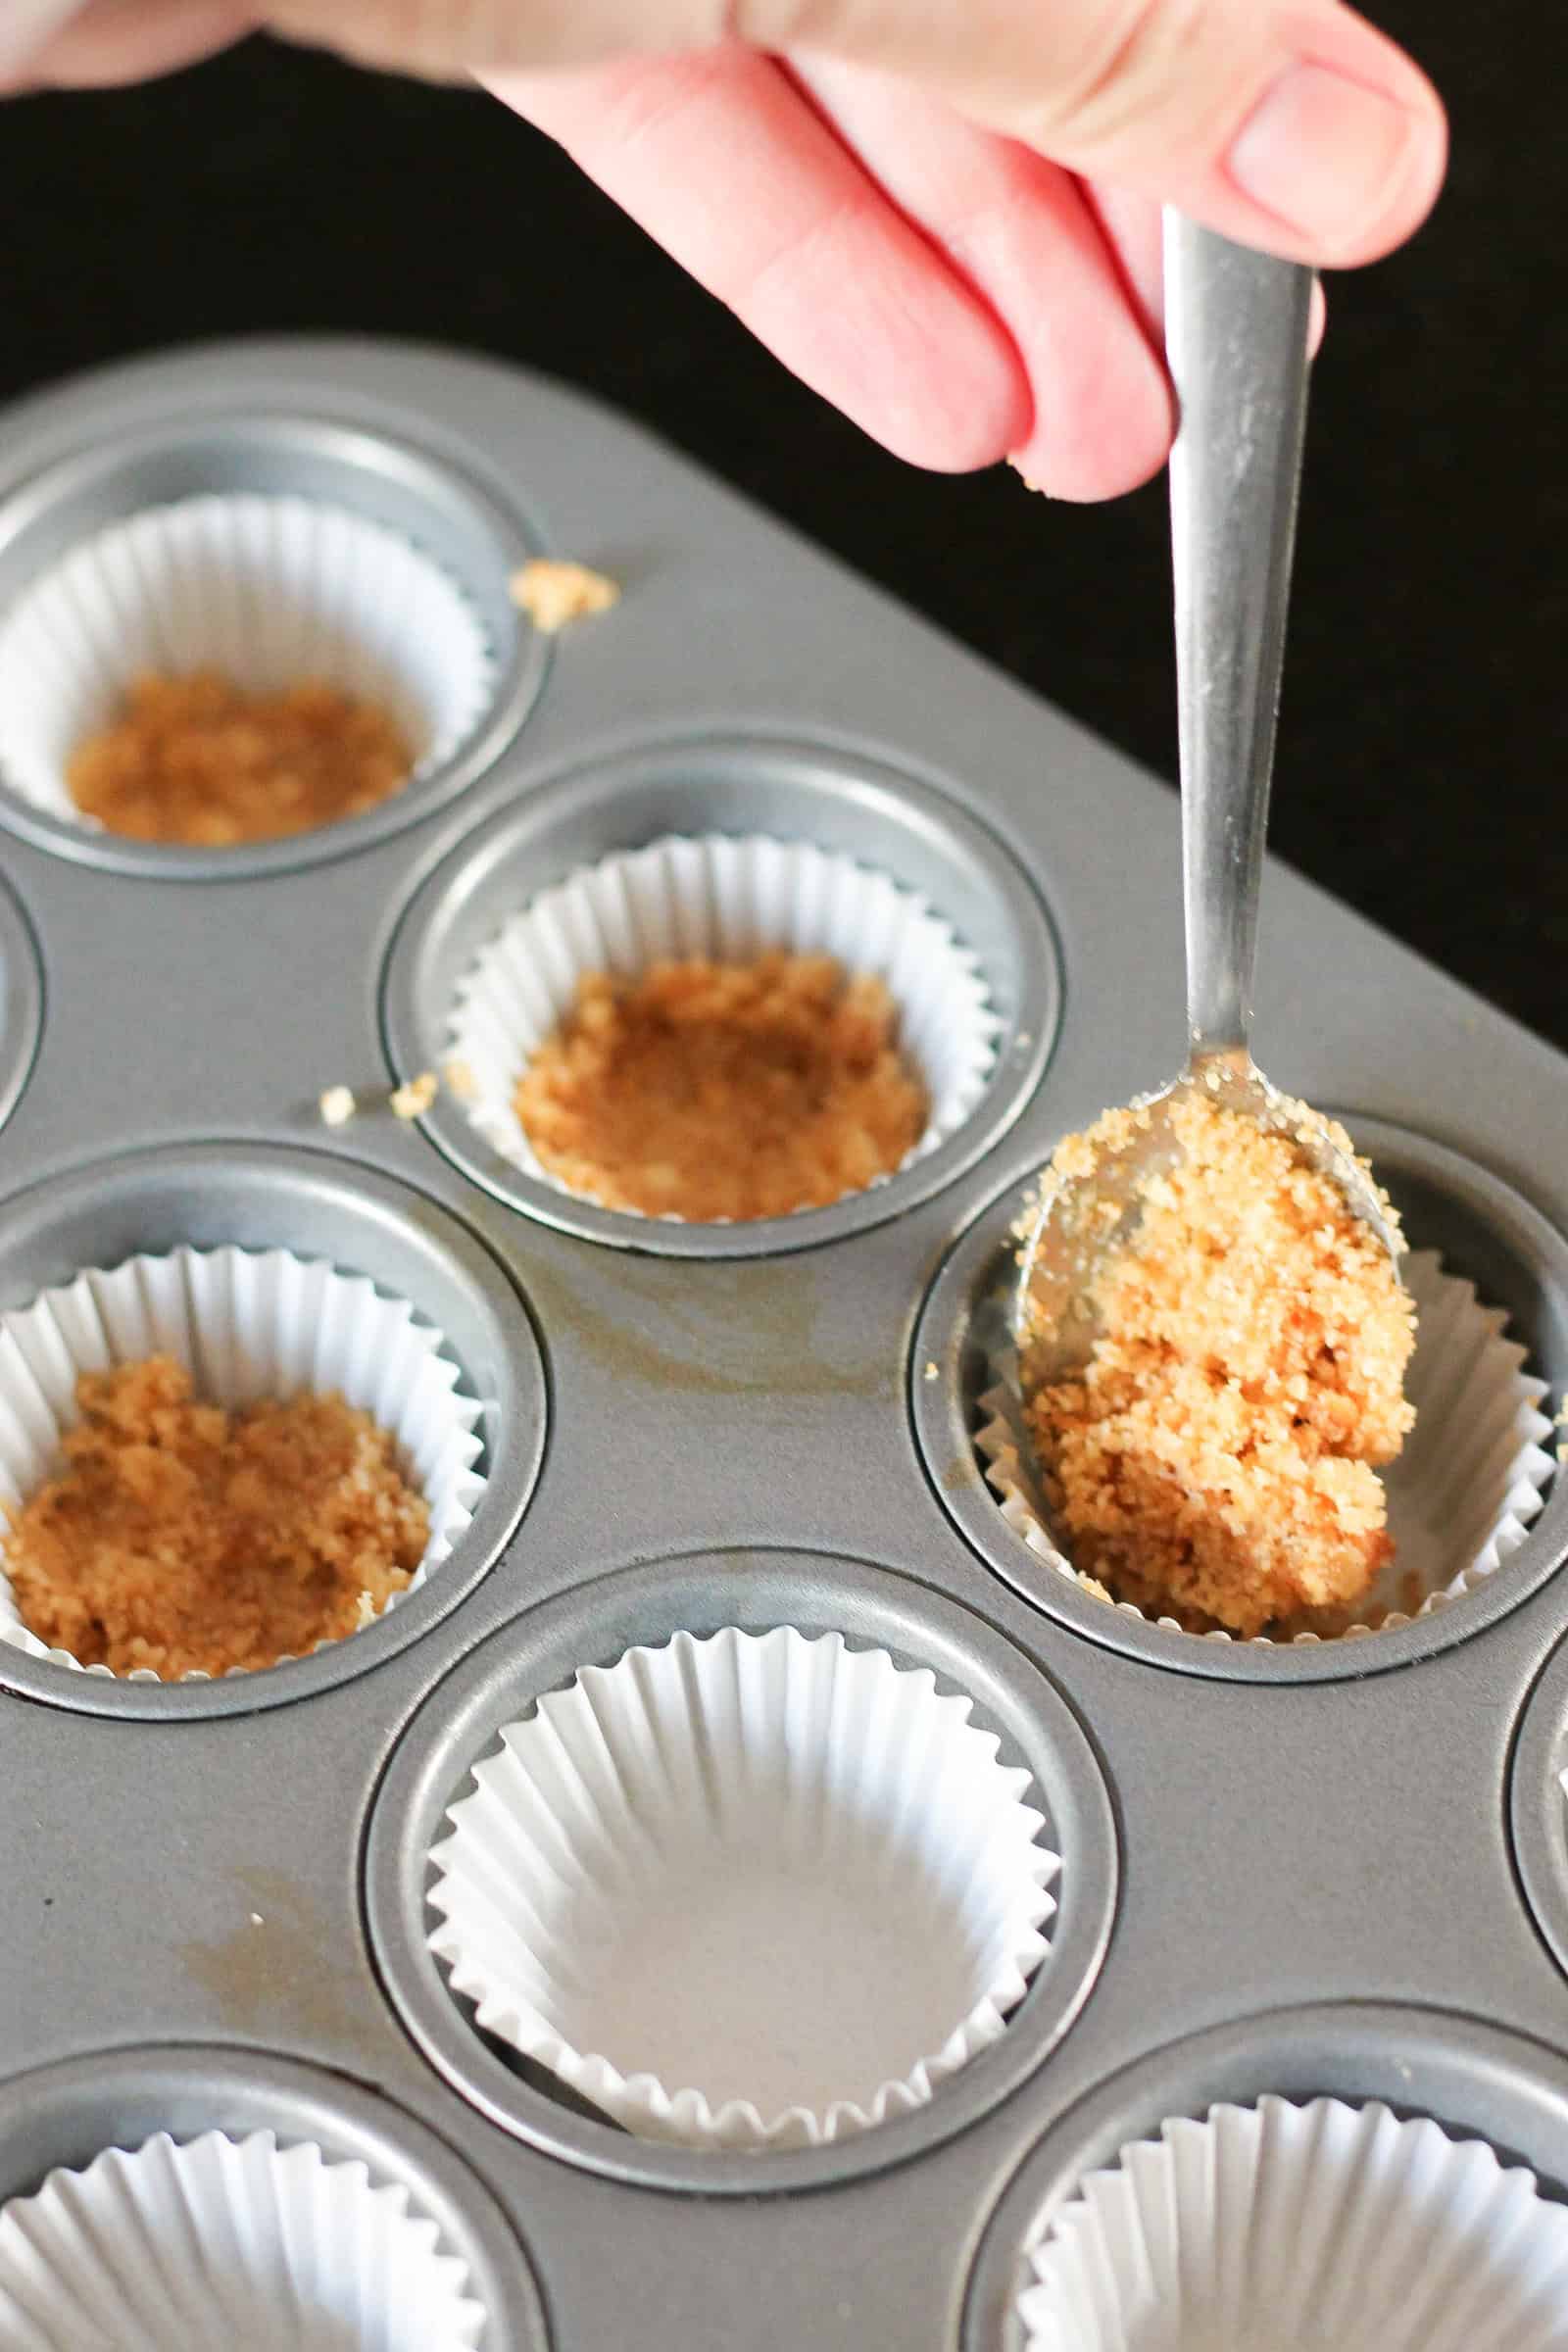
x,y
1235,330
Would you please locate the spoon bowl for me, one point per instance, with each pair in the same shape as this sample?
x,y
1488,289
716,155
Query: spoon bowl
x,y
1089,1210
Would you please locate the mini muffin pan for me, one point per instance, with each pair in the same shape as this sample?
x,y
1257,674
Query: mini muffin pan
x,y
1334,1872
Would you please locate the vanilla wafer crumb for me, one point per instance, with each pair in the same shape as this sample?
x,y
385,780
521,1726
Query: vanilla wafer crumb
x,y
336,1106
460,1080
731,1090
186,1539
1215,1460
200,761
414,1097
554,593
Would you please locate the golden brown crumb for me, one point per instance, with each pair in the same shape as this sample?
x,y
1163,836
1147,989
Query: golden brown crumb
x,y
199,761
413,1099
189,1539
554,593
711,1091
1214,1461
337,1107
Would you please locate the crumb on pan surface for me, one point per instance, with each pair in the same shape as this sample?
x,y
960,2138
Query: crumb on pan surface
x,y
201,762
724,1091
336,1106
414,1097
178,1537
554,593
1215,1460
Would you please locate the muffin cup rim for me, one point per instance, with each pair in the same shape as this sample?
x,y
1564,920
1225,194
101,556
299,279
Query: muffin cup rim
x,y
98,2178
471,1414
998,1442
539,1648
643,769
942,1435
80,2105
51,470
293,1182
987,1023
1480,2081
572,2060
1538,1802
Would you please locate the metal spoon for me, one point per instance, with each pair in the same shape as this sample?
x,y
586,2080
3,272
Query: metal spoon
x,y
1237,341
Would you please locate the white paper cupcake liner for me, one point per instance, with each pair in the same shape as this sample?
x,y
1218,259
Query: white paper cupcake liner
x,y
246,1325
729,898
1282,2225
233,2243
1462,1495
269,591
747,1892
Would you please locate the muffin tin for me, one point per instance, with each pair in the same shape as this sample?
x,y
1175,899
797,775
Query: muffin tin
x,y
1329,1872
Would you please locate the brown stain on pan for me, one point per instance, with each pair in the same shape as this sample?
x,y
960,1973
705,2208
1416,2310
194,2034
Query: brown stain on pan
x,y
285,1967
727,1330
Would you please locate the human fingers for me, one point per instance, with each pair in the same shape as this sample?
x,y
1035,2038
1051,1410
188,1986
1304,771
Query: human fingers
x,y
1292,124
1022,233
724,161
69,46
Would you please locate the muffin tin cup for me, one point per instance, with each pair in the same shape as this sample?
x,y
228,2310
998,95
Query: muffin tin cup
x,y
185,2244
384,1298
274,548
1373,2177
722,844
21,1002
729,900
247,1326
1537,1803
199,2195
737,1829
267,591
1462,1494
1346,2222
1487,1412
852,1677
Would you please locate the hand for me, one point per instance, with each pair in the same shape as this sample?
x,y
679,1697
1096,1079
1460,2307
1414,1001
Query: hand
x,y
943,214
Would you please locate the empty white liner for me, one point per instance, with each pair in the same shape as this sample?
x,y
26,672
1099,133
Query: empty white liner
x,y
1301,2229
246,1325
729,898
227,2246
269,591
1462,1494
746,1892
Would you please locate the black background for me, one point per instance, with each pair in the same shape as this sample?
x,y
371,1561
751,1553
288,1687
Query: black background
x,y
1422,769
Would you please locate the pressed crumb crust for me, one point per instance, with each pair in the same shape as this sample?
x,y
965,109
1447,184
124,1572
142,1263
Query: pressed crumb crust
x,y
200,762
1215,1460
189,1539
711,1091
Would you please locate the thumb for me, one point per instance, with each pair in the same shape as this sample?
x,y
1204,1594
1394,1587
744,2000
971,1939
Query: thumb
x,y
1291,125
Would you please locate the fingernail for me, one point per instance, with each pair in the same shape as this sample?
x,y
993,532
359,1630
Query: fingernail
x,y
1325,155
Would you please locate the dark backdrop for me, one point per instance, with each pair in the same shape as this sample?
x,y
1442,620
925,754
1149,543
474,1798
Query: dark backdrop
x,y
1422,771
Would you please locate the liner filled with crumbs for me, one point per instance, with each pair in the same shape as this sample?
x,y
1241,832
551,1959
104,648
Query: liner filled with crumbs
x,y
1461,1492
215,1460
237,2242
232,668
746,1892
1294,2225
820,960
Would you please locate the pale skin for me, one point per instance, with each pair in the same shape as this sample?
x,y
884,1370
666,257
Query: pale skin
x,y
942,214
